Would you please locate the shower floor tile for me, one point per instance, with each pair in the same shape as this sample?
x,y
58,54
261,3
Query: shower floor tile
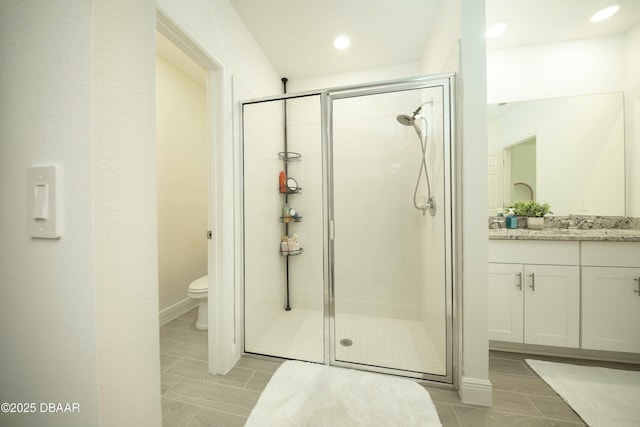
x,y
394,343
296,334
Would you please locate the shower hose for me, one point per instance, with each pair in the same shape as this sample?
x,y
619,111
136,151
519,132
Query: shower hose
x,y
423,167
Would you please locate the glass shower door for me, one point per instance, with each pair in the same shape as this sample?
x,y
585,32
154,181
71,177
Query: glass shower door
x,y
283,229
391,206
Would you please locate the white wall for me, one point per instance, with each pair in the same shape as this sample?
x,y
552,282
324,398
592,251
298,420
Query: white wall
x,y
475,386
45,117
355,77
125,211
598,65
182,144
632,120
79,314
556,70
462,21
441,53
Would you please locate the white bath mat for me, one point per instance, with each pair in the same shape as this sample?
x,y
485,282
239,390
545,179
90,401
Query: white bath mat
x,y
602,397
302,394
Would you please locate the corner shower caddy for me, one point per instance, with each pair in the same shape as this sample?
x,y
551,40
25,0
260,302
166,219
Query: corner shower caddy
x,y
289,157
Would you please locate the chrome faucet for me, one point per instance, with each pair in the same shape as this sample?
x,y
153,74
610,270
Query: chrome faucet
x,y
496,223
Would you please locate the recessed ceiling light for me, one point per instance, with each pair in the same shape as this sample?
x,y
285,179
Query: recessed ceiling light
x,y
341,42
605,13
496,30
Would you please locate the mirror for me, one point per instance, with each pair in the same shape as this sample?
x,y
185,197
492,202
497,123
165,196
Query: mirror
x,y
292,184
568,152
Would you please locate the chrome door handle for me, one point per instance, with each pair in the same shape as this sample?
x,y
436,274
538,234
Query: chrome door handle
x,y
533,282
637,279
519,281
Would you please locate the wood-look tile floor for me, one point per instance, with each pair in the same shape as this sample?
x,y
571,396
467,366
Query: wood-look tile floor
x,y
195,398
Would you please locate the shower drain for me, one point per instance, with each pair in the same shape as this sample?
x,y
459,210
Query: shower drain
x,y
346,342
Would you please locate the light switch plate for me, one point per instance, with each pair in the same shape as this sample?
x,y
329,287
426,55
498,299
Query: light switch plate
x,y
45,186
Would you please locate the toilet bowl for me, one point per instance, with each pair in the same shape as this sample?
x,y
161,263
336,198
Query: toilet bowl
x,y
199,291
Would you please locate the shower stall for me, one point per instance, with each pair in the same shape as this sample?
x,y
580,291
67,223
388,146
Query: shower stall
x,y
348,227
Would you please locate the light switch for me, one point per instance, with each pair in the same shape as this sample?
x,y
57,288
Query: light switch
x,y
45,201
41,201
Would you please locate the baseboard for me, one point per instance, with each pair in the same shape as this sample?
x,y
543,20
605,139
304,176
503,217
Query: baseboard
x,y
176,310
476,391
575,353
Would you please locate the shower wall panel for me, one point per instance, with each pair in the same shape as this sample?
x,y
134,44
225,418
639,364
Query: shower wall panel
x,y
284,296
304,137
432,230
263,269
376,161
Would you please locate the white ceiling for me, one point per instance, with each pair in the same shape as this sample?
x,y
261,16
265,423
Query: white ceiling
x,y
297,35
545,21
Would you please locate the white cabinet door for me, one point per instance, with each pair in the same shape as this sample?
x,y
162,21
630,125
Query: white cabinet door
x,y
611,309
505,302
552,305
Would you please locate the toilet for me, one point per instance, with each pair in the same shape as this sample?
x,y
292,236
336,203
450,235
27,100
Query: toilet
x,y
199,291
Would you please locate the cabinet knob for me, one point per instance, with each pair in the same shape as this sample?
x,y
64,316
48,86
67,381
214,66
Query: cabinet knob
x,y
519,285
637,279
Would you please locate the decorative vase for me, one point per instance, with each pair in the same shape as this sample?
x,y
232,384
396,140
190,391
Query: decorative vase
x,y
535,222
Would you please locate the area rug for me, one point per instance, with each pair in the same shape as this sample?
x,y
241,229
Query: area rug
x,y
602,397
302,394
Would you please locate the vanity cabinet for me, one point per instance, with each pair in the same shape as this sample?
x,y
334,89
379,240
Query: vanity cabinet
x,y
611,296
534,292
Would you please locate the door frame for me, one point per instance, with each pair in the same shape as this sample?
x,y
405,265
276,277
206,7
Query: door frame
x,y
452,232
219,313
446,81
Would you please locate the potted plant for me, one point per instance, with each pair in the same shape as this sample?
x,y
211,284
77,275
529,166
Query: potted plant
x,y
534,212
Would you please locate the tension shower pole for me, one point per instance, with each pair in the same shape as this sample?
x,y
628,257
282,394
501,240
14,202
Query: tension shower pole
x,y
286,197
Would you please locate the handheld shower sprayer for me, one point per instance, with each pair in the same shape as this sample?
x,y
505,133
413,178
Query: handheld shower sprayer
x,y
405,120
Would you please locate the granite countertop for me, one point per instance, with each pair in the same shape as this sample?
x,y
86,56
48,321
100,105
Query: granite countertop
x,y
612,235
572,227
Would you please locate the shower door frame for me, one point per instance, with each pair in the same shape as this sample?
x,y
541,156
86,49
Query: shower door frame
x,y
447,82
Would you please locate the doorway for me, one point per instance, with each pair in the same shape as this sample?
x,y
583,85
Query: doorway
x,y
219,358
182,174
520,168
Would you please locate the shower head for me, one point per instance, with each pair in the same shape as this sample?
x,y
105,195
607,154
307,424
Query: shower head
x,y
405,120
